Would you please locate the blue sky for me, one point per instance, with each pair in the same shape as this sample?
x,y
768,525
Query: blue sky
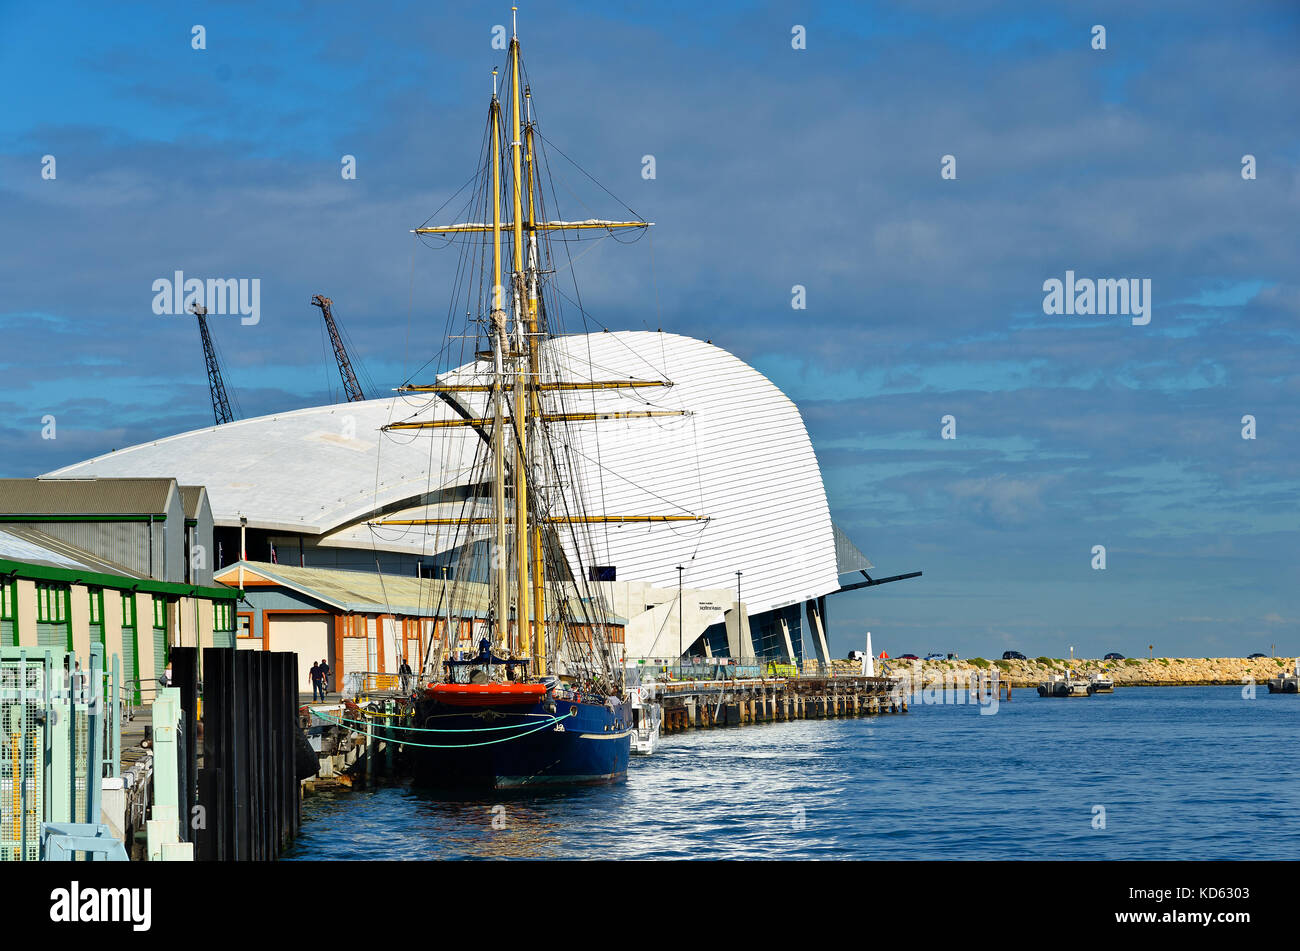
x,y
774,167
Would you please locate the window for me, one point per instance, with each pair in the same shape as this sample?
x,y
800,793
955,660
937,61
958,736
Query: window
x,y
223,624
8,615
160,644
223,616
602,573
128,609
51,603
245,626
96,597
52,627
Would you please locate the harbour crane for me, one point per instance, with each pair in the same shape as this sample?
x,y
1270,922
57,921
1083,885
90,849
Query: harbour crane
x,y
350,384
220,402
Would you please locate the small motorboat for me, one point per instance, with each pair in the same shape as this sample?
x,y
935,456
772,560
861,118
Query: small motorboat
x,y
1066,685
647,717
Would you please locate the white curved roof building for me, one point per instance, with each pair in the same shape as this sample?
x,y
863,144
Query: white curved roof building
x,y
312,481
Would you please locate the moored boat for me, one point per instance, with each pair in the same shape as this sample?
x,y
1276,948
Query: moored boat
x,y
647,718
1101,683
1065,685
477,730
1288,682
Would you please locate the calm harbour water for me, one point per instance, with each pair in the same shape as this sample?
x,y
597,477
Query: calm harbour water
x,y
1182,772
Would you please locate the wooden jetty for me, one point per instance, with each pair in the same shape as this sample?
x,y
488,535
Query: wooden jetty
x,y
703,704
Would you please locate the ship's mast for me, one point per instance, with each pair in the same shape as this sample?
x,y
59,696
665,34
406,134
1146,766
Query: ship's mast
x,y
515,394
522,627
500,560
534,398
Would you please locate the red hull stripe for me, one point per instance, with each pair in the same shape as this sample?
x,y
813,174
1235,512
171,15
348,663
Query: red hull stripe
x,y
487,695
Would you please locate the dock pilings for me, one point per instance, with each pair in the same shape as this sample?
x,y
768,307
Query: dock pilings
x,y
702,705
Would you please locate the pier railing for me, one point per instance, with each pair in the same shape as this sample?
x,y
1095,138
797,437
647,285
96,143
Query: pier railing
x,y
706,670
713,669
357,683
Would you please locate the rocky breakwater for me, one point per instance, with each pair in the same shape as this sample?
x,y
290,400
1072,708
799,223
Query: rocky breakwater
x,y
1133,672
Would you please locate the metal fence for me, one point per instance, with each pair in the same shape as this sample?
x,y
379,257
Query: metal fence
x,y
146,688
704,670
750,668
358,683
56,743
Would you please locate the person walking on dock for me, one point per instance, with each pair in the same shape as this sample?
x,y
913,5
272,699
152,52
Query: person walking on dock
x,y
317,683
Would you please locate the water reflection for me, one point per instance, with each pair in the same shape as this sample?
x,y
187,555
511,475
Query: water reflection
x,y
940,782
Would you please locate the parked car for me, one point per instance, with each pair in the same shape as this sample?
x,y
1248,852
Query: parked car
x,y
935,657
857,655
1253,656
1013,655
1113,656
908,657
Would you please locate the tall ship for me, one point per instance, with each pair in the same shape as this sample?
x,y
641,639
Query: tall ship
x,y
523,683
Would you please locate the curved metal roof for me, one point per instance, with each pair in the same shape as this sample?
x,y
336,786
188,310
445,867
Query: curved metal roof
x,y
740,456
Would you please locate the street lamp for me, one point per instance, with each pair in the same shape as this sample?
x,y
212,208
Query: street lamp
x,y
740,628
680,569
243,551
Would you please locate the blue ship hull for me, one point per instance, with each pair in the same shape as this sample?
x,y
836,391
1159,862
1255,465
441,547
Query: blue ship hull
x,y
510,747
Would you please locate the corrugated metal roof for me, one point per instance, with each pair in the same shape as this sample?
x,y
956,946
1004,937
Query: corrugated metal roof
x,y
31,545
191,497
360,591
366,592
85,496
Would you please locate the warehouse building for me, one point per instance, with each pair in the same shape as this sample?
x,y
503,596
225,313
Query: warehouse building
x,y
133,588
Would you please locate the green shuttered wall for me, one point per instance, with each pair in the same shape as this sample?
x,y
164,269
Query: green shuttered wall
x,y
223,624
160,647
53,616
8,614
130,649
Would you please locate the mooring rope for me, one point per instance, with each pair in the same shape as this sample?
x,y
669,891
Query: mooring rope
x,y
459,746
434,729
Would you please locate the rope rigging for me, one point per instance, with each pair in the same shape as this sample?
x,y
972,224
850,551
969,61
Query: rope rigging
x,y
563,472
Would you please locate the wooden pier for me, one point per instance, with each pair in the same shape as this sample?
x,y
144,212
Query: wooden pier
x,y
701,705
